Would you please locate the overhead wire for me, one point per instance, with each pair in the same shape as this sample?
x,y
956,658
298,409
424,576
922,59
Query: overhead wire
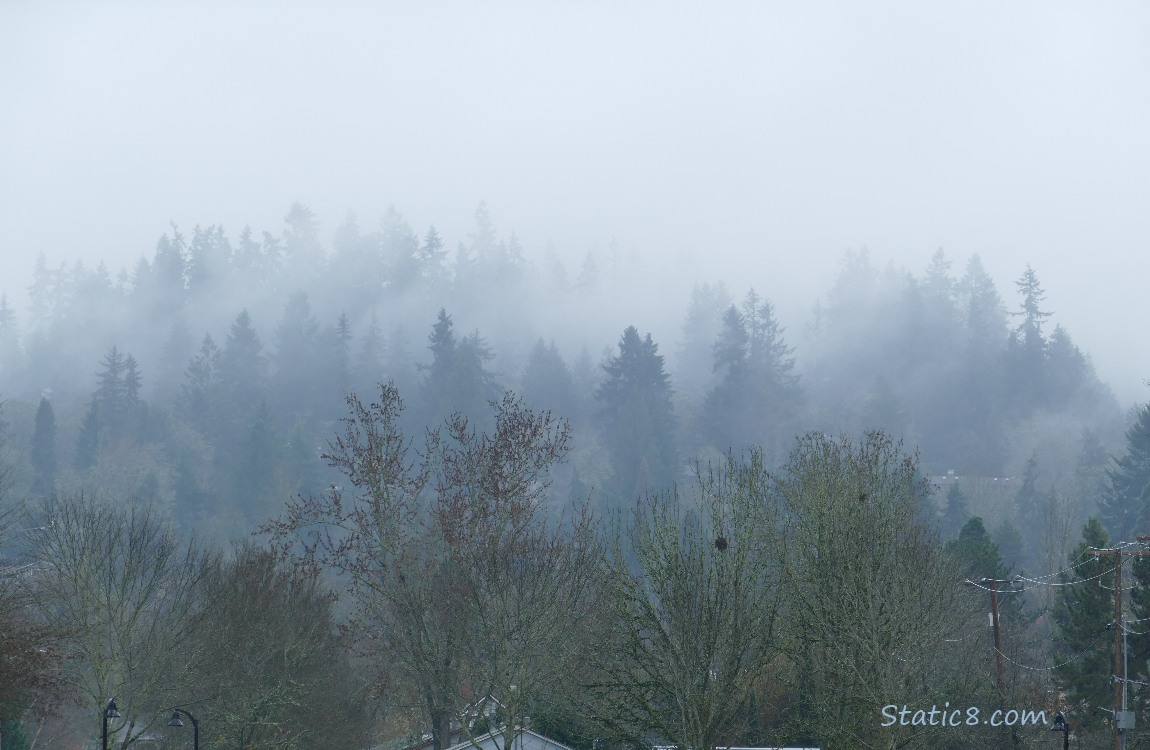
x,y
1056,666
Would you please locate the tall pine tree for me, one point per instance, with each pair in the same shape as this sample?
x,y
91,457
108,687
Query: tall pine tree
x,y
1124,507
1084,613
638,418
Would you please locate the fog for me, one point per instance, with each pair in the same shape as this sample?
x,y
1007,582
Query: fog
x,y
753,143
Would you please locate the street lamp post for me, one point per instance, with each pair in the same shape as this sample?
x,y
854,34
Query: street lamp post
x,y
1060,725
110,712
175,722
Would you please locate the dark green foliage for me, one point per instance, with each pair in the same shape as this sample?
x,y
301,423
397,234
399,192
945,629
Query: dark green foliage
x,y
14,734
982,561
978,552
637,417
1084,613
1124,508
955,514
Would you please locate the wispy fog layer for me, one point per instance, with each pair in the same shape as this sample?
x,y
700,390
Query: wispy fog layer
x,y
754,143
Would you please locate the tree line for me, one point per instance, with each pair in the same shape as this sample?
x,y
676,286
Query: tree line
x,y
215,431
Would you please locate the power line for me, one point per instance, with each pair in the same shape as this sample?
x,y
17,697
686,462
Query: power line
x,y
1063,664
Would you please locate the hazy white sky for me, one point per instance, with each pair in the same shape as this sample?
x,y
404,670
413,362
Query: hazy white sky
x,y
753,142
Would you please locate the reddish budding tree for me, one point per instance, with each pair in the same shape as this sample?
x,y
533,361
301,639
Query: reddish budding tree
x,y
466,585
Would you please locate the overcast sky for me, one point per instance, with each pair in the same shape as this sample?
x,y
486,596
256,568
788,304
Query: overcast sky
x,y
752,142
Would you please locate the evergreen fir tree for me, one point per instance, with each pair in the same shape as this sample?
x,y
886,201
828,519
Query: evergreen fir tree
x,y
547,383
978,552
457,379
1026,499
1026,353
400,248
1084,613
956,515
754,402
638,418
201,394
1123,509
243,379
433,260
705,323
209,256
297,364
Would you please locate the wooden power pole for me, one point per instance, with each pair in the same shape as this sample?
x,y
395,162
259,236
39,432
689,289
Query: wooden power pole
x,y
1123,719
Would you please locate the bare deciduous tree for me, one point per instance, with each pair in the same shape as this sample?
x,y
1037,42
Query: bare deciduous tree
x,y
873,616
465,588
695,602
123,586
273,672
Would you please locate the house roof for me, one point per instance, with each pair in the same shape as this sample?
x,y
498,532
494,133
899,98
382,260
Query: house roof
x,y
525,739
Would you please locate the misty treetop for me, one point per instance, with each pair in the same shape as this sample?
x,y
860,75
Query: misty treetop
x,y
218,364
207,385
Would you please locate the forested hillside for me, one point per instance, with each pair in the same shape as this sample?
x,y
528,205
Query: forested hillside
x,y
210,376
474,418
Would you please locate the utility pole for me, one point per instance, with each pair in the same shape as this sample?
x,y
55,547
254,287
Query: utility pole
x,y
992,584
1123,719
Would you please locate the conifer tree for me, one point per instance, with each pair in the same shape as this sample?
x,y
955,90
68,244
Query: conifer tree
x,y
201,390
547,383
432,260
457,379
1026,499
297,364
243,369
400,248
978,552
1124,509
638,417
956,514
755,399
1026,353
705,323
1084,613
